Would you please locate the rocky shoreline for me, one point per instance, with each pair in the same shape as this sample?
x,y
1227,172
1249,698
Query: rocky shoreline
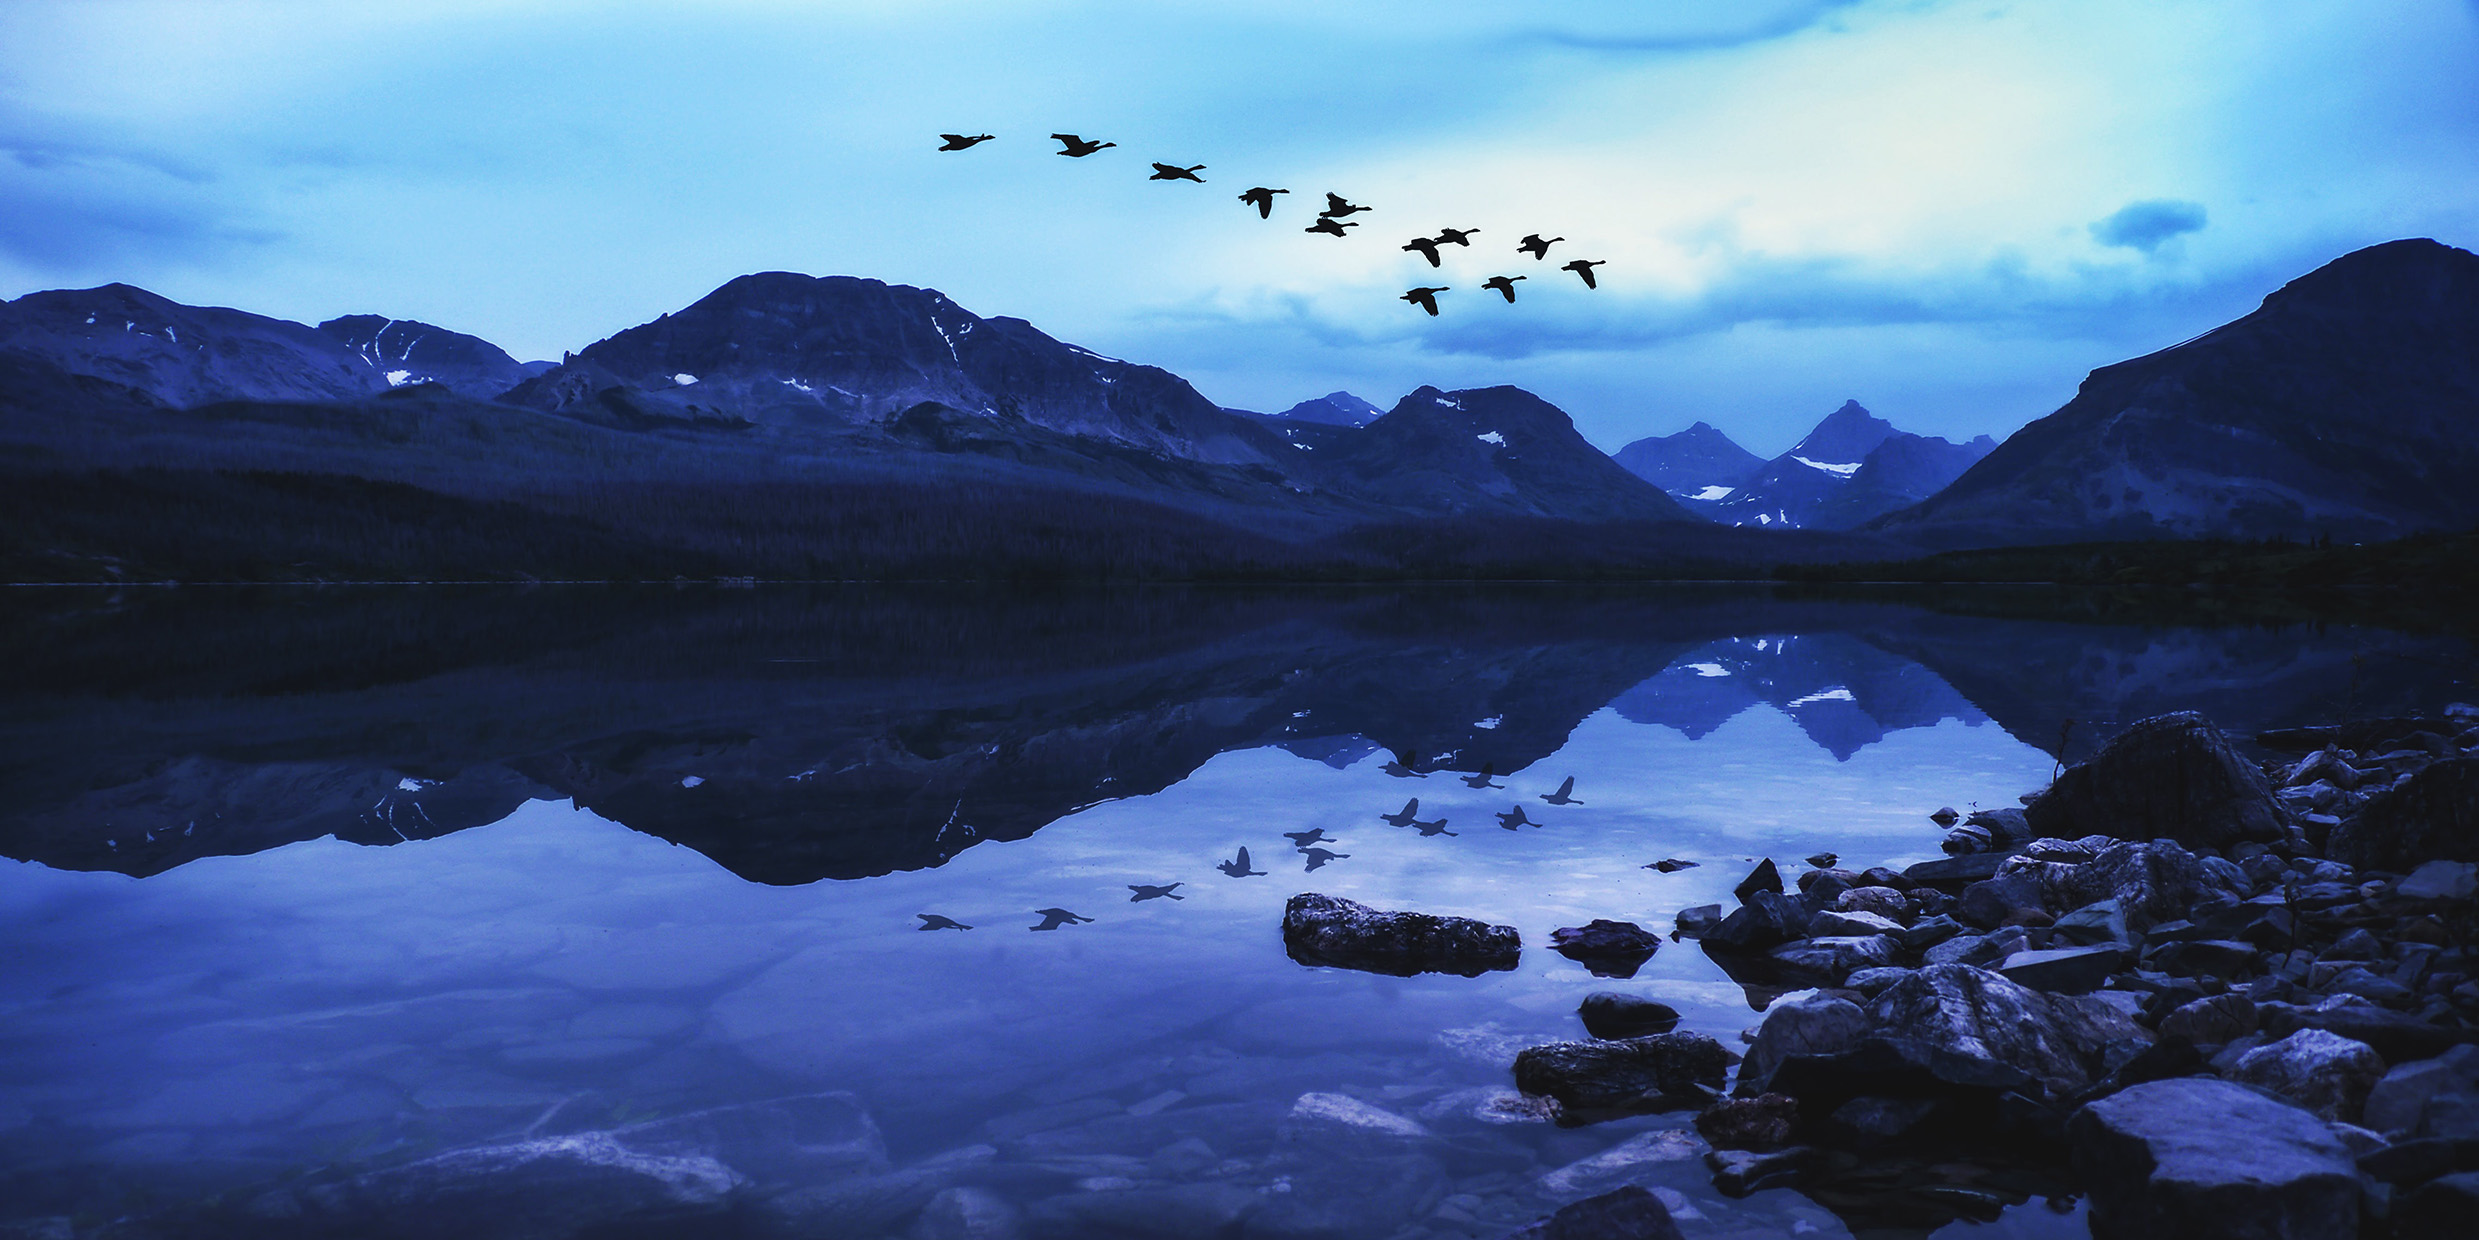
x,y
2215,997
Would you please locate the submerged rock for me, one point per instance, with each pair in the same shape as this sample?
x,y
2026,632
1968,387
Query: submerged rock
x,y
526,1190
1328,930
2171,777
1630,1213
1657,1072
1607,1014
1764,1122
2201,1159
1608,948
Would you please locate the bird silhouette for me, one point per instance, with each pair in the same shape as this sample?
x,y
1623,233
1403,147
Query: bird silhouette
x,y
1405,764
1564,794
1238,868
1078,148
1404,817
1302,839
1670,865
1456,236
1329,226
932,921
1173,172
1584,269
1514,818
1481,780
1504,284
1425,298
1426,247
1147,891
959,142
1053,918
1263,200
1824,860
1337,207
1317,857
1437,827
1533,245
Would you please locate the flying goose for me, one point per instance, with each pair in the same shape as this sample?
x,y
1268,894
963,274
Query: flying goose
x,y
1173,172
1504,284
1263,200
1535,246
932,921
959,142
1078,148
1425,298
1053,918
1239,868
1563,795
1584,269
1426,247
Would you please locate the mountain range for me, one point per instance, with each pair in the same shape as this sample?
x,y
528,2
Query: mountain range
x,y
1852,468
791,425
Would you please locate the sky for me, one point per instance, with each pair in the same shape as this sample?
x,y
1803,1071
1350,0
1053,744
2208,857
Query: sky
x,y
1949,211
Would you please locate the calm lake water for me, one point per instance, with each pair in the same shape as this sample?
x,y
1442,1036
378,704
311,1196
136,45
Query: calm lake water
x,y
304,882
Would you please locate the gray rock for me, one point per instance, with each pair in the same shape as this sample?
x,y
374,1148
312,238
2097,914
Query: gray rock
x,y
1927,932
1883,901
1607,1014
2060,1041
967,1213
2169,777
1328,930
1765,877
2000,900
1871,981
2101,921
2227,959
2201,1159
2152,881
1697,922
2214,1020
1826,961
1834,922
2004,826
2431,816
2441,1209
1630,1213
1736,1173
546,1189
1954,871
1812,1024
1210,1208
1768,917
1870,1122
1662,1071
2325,1073
2440,880
1763,1122
2397,1104
2064,970
1608,948
2397,1036
795,1140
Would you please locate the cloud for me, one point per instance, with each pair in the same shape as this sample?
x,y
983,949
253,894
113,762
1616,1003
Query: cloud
x,y
2147,225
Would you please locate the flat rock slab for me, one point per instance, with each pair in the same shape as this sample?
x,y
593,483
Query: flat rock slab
x,y
1343,934
2201,1159
1657,1072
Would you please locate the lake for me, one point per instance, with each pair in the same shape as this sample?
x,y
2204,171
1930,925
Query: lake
x,y
307,883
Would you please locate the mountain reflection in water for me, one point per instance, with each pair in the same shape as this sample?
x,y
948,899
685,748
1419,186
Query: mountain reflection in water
x,y
794,735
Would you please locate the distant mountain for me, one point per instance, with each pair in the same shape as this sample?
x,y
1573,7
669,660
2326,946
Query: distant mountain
x,y
404,351
1499,449
1699,464
1853,468
1334,409
788,354
2347,404
181,355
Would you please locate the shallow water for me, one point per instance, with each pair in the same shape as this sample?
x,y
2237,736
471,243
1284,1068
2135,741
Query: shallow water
x,y
519,946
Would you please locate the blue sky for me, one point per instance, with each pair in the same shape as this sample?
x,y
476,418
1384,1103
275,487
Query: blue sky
x,y
1950,211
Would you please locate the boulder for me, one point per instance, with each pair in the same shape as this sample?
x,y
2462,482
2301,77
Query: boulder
x,y
1764,1122
1765,877
2004,826
1954,872
2000,901
2323,1072
1884,901
1697,922
2214,1020
1657,1072
1608,948
1809,1024
2440,880
2441,1209
1630,1213
2152,882
1768,917
2397,1105
2060,1041
1868,1123
1328,930
2397,1036
1834,922
2064,970
1826,961
2431,816
1607,1014
2169,777
2201,1159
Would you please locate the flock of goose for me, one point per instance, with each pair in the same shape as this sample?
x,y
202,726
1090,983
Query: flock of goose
x,y
1334,221
1310,844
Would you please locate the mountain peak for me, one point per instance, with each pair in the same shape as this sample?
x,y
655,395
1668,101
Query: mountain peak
x,y
1844,438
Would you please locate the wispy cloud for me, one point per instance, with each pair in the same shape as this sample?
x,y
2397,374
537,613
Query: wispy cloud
x,y
2149,224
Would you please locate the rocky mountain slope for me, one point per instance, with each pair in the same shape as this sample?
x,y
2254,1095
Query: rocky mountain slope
x,y
1499,449
405,351
1852,468
180,355
1699,463
2346,405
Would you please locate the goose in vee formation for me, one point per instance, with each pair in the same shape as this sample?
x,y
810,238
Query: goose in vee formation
x,y
1338,206
1317,857
1078,148
1456,236
1435,827
959,142
1426,247
1404,765
1425,298
1317,835
1670,865
1514,818
1328,225
1409,814
1563,795
1147,891
1263,200
1584,268
932,921
1238,867
1173,172
1487,772
1504,284
1053,918
1536,245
